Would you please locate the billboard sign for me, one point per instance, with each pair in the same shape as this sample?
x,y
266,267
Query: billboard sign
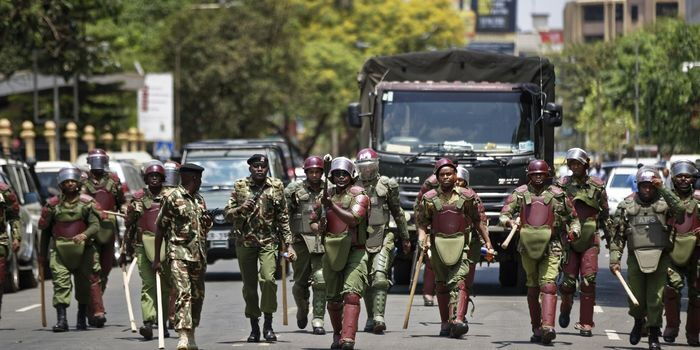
x,y
155,107
495,16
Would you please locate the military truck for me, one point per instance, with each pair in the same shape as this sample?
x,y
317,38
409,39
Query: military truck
x,y
491,113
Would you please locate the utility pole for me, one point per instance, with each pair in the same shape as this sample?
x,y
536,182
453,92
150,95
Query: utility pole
x,y
636,98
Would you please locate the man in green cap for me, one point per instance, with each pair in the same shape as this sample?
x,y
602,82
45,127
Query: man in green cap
x,y
345,265
184,223
139,241
9,241
384,201
547,217
640,221
258,210
452,213
72,220
685,257
303,203
587,193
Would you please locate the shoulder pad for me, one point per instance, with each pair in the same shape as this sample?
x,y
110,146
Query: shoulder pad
x,y
563,180
356,190
114,176
596,181
430,194
696,194
240,183
85,198
139,194
467,192
53,201
630,197
4,186
275,182
389,182
556,190
521,189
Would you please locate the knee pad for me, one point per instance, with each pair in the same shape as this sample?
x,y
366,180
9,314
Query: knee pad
x,y
568,286
588,289
317,278
590,278
352,298
380,281
548,288
441,288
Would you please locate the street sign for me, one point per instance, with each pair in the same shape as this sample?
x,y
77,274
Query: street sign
x,y
163,149
155,107
495,16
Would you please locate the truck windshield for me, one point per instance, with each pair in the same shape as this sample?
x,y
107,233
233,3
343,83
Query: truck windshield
x,y
221,171
417,121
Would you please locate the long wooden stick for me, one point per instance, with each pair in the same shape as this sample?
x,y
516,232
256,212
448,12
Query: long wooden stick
x,y
127,293
43,295
285,318
159,297
627,288
114,213
414,283
505,243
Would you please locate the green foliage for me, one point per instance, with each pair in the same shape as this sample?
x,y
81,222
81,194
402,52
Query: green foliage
x,y
599,88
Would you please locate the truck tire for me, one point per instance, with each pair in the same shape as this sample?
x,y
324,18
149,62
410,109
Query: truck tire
x,y
12,280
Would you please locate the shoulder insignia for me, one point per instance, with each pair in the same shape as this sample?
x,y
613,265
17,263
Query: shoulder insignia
x,y
275,182
139,194
4,186
596,181
467,192
356,190
521,189
556,190
430,194
53,201
85,198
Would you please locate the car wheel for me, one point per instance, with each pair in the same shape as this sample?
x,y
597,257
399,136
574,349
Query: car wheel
x,y
12,281
30,278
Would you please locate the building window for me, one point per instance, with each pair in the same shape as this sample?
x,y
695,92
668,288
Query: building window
x,y
634,13
592,38
618,12
593,13
667,9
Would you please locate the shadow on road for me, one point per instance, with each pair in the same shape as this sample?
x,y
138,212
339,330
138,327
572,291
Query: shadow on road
x,y
222,276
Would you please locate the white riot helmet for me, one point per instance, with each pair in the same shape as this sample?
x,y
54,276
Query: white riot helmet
x,y
98,159
172,174
463,174
69,173
367,163
342,163
577,154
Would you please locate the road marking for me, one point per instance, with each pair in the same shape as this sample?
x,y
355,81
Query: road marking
x,y
27,308
612,334
597,309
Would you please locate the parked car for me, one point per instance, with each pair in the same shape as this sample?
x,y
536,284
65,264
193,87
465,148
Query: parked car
x,y
617,186
225,161
135,158
47,174
23,268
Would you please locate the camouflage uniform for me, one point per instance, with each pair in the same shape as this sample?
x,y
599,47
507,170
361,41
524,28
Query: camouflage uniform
x,y
63,220
108,193
303,205
257,240
591,203
544,220
685,257
180,221
9,214
449,247
140,223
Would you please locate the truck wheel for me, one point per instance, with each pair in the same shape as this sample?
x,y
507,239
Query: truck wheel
x,y
12,281
508,273
30,278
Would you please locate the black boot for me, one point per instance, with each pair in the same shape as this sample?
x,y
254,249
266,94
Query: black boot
x,y
81,323
254,336
636,332
268,333
61,322
654,333
146,330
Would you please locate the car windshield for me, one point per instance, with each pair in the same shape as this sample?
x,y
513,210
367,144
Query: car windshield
x,y
216,199
619,181
417,121
48,179
221,171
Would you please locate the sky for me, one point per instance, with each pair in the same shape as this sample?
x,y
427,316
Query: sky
x,y
555,8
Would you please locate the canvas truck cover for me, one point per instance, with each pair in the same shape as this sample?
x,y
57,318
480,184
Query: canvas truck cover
x,y
454,65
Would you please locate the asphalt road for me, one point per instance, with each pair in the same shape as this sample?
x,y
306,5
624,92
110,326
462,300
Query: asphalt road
x,y
500,320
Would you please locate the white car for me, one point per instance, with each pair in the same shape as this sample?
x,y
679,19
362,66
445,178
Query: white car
x,y
617,186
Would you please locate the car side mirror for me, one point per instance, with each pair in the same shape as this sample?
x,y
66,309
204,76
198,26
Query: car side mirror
x,y
353,116
553,114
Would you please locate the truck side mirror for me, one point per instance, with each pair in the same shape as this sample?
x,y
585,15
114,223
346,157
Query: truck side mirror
x,y
353,115
553,114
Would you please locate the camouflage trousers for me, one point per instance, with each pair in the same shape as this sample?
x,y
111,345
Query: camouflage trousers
x,y
87,274
149,298
188,279
308,272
